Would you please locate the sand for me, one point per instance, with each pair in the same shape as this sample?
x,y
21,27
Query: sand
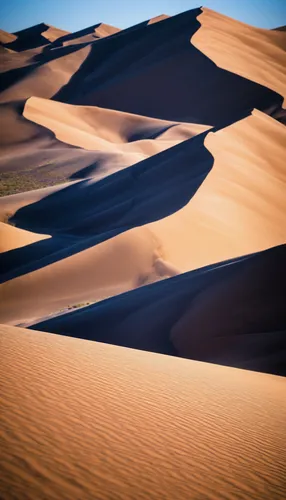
x,y
238,209
99,129
13,237
143,222
256,54
84,420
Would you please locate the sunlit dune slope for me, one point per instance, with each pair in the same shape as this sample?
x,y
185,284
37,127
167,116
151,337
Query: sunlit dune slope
x,y
6,37
34,37
231,313
103,129
87,35
43,78
239,208
13,237
83,420
253,53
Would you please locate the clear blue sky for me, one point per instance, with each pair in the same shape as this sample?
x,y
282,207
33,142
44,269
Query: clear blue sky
x,y
73,15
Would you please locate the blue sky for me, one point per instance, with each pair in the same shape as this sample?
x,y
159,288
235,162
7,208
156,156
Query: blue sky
x,y
73,15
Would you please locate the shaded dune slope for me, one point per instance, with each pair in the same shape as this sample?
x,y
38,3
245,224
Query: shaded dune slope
x,y
74,410
102,129
265,60
34,37
156,71
168,133
236,208
245,324
89,142
90,212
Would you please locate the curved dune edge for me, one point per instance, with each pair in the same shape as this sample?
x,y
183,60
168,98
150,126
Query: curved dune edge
x,y
13,237
10,204
239,209
102,129
85,420
47,79
253,53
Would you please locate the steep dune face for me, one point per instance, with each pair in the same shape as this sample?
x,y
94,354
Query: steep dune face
x,y
159,75
231,313
101,129
256,54
134,104
34,37
43,78
86,35
13,237
239,208
74,410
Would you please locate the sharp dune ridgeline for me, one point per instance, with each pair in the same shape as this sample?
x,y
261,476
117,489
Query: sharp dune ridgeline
x,y
143,208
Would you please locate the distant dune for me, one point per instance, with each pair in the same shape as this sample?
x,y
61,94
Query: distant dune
x,y
82,420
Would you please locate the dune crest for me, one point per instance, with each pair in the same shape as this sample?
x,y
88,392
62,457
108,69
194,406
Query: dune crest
x,y
99,129
13,237
254,53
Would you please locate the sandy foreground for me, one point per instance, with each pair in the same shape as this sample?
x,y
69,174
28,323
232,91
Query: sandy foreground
x,y
84,420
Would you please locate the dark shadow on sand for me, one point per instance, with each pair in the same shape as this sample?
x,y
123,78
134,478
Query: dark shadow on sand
x,y
156,71
91,212
233,293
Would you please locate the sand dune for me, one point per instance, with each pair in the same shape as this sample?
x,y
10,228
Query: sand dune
x,y
6,37
86,35
143,174
101,129
238,209
74,410
241,206
34,37
162,56
43,79
231,313
256,54
13,237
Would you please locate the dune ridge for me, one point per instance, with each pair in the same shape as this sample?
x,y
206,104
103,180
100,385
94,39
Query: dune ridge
x,y
243,186
263,62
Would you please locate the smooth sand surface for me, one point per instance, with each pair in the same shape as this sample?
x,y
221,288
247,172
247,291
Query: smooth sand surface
x,y
253,53
13,237
84,420
238,209
100,129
